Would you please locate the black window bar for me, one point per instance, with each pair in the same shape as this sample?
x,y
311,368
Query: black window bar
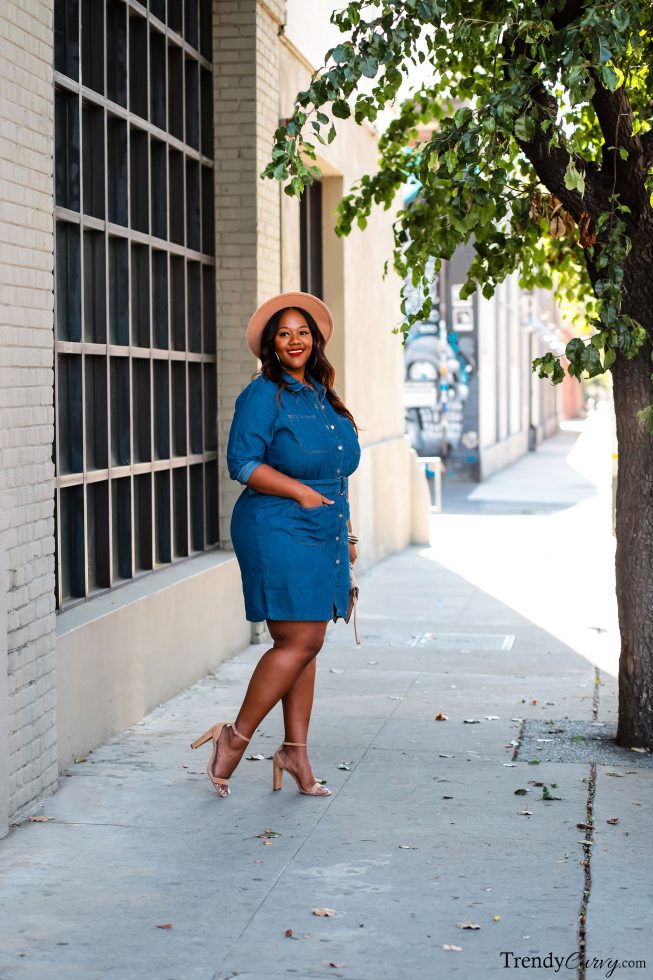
x,y
135,350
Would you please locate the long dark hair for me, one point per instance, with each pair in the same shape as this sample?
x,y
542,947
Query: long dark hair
x,y
319,365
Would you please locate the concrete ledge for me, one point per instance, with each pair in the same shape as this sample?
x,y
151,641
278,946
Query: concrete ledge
x,y
503,453
122,654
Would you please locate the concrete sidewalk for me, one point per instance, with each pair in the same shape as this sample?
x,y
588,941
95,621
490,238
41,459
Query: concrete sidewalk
x,y
432,823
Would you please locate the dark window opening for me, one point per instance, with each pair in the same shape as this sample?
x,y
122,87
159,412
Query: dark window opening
x,y
310,233
66,37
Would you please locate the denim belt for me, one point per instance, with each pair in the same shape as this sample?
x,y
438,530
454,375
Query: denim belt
x,y
338,483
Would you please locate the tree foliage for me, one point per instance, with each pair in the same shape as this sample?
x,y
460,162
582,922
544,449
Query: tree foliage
x,y
532,138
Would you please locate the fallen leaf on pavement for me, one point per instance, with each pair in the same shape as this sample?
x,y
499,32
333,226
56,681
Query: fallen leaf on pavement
x,y
492,717
546,795
40,819
521,792
81,758
372,663
166,925
633,748
259,861
255,758
613,820
269,832
533,700
288,933
337,966
636,802
336,670
407,847
535,782
324,913
467,925
584,826
452,949
509,765
345,765
525,813
618,774
496,918
534,762
471,721
266,843
440,717
445,755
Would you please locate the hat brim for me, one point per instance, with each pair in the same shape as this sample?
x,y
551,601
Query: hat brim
x,y
303,301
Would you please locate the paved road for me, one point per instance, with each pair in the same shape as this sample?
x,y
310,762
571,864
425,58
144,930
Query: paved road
x,y
432,824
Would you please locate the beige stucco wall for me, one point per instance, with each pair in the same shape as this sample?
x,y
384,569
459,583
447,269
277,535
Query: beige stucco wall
x,y
368,357
128,651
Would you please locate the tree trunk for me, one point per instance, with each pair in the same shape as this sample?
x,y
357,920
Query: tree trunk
x,y
633,390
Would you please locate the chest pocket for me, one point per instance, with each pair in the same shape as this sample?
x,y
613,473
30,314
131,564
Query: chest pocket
x,y
311,432
348,437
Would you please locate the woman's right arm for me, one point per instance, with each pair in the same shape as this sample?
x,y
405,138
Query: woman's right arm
x,y
266,479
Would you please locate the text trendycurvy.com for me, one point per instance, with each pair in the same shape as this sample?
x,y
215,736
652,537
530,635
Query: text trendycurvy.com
x,y
549,961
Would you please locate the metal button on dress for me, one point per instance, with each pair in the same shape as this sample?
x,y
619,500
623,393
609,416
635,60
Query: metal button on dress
x,y
337,537
337,561
339,515
332,426
339,447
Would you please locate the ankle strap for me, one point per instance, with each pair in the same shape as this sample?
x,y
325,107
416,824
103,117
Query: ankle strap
x,y
302,744
236,732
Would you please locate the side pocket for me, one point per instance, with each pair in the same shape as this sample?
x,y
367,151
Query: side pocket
x,y
310,525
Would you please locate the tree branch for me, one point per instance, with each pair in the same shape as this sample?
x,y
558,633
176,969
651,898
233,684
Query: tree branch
x,y
615,116
551,162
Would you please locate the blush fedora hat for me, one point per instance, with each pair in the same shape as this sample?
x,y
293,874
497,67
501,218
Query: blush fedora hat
x,y
301,301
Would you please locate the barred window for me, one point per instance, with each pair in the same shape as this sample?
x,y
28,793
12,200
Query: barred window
x,y
135,353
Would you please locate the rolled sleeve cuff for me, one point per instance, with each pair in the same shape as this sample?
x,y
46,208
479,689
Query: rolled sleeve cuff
x,y
246,470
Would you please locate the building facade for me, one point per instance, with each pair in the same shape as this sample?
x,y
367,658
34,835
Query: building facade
x,y
136,238
471,397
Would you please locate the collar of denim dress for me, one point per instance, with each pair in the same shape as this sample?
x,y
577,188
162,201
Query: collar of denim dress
x,y
295,385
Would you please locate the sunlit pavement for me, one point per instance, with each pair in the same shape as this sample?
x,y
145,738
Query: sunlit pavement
x,y
468,827
537,536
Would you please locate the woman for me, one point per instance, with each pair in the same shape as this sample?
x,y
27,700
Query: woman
x,y
293,445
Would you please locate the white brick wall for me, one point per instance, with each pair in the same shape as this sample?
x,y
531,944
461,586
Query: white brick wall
x,y
246,106
26,396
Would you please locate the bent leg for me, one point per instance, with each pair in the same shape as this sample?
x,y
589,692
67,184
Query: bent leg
x,y
295,646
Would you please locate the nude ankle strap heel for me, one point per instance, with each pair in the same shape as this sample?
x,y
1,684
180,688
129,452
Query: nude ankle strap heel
x,y
214,734
278,769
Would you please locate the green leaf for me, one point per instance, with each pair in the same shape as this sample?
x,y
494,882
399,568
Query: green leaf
x,y
610,77
524,127
340,109
609,357
574,180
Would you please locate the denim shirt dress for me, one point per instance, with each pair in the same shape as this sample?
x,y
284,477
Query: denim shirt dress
x,y
294,560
